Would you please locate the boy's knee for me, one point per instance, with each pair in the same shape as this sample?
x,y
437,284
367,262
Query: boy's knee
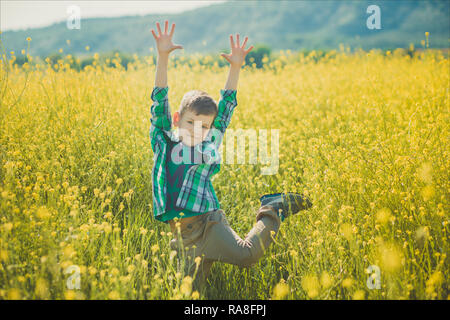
x,y
248,258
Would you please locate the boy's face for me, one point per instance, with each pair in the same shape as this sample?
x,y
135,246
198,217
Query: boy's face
x,y
193,128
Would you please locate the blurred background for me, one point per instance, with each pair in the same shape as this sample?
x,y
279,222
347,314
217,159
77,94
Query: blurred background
x,y
123,27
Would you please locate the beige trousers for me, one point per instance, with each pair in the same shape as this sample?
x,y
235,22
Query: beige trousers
x,y
211,238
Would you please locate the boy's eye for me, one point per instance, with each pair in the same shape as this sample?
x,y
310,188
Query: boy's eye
x,y
190,122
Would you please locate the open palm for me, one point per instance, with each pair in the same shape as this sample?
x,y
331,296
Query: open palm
x,y
164,40
238,53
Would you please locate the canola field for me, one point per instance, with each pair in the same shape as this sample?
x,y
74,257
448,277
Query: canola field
x,y
364,134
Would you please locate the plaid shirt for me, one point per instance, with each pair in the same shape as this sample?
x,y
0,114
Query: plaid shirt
x,y
197,193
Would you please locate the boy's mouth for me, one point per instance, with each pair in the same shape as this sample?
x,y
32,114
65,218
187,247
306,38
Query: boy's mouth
x,y
191,139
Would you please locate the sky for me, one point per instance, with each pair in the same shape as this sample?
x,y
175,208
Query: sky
x,y
17,15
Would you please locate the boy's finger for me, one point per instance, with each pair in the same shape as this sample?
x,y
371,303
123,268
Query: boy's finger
x,y
249,49
154,34
237,39
231,41
173,28
225,56
245,41
166,26
159,28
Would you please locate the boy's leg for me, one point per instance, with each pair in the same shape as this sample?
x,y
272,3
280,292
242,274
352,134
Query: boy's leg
x,y
189,247
222,243
212,239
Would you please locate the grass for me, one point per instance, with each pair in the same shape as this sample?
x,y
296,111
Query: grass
x,y
365,135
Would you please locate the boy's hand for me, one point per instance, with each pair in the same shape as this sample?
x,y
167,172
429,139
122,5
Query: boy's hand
x,y
237,56
164,41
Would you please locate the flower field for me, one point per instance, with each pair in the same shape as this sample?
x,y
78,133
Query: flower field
x,y
364,134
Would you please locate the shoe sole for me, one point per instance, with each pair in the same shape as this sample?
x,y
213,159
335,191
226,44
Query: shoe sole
x,y
304,205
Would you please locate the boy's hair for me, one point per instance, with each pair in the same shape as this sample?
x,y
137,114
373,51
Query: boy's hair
x,y
199,102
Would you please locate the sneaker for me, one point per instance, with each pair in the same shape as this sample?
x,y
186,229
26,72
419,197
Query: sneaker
x,y
286,203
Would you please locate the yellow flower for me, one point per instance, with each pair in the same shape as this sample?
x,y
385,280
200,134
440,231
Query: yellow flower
x,y
427,192
435,279
197,261
325,280
43,213
293,253
115,271
41,288
114,295
92,270
70,295
195,295
69,252
347,283
311,285
359,295
425,173
186,286
391,257
383,215
131,268
7,226
28,39
14,294
172,254
154,248
281,290
346,230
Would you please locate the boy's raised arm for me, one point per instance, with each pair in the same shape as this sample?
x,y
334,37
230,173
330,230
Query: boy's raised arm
x,y
160,110
165,47
227,101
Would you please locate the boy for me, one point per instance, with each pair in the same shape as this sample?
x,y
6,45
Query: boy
x,y
182,190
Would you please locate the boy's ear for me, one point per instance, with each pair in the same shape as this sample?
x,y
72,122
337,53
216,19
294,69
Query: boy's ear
x,y
176,118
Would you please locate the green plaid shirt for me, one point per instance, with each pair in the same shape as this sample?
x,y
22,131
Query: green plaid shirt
x,y
197,193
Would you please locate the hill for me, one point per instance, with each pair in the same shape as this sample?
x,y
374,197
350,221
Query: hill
x,y
293,25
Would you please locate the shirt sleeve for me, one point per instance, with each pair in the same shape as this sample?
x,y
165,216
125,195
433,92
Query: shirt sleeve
x,y
161,119
226,106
